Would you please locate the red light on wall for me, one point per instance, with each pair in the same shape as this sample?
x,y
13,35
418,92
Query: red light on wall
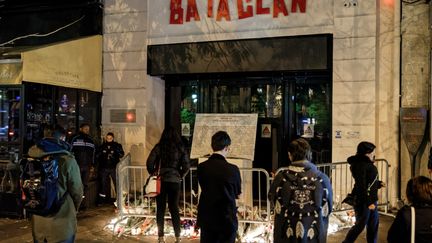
x,y
388,2
130,116
123,115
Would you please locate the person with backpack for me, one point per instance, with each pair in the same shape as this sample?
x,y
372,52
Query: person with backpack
x,y
365,192
170,159
301,198
419,195
109,154
63,189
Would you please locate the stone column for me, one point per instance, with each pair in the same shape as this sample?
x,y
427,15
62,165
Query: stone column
x,y
415,75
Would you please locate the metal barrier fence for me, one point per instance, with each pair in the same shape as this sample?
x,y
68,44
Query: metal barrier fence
x,y
253,206
343,182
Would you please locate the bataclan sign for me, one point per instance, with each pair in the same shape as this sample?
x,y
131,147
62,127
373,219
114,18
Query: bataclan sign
x,y
222,9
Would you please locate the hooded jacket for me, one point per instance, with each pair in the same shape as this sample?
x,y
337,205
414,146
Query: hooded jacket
x,y
280,191
63,225
366,179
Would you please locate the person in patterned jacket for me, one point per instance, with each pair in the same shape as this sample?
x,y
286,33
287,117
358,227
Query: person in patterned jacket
x,y
301,198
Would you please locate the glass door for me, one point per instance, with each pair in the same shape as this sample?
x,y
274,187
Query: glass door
x,y
313,116
287,108
264,96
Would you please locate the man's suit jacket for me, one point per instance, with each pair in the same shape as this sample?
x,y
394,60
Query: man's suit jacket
x,y
220,184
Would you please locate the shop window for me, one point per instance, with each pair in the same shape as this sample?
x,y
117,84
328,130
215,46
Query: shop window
x,y
10,103
38,112
66,109
88,103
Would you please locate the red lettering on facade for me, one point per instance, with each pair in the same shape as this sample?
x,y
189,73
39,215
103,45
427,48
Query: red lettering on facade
x,y
260,9
223,11
210,8
176,16
192,11
245,9
279,7
300,3
242,14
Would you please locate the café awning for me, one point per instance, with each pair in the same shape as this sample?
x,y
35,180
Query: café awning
x,y
72,64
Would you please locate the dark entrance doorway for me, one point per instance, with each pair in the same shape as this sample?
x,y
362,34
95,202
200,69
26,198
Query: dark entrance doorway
x,y
285,80
285,106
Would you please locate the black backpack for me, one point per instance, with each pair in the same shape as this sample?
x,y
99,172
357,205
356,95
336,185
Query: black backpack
x,y
302,202
39,185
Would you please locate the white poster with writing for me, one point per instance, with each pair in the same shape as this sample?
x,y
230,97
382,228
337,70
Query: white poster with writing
x,y
240,127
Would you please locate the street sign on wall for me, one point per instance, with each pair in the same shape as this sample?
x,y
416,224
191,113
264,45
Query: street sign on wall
x,y
413,126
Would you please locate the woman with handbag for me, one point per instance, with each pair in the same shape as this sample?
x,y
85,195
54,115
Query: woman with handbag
x,y
170,158
414,223
366,193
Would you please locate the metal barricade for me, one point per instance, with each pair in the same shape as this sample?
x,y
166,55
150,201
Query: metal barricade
x,y
253,206
342,182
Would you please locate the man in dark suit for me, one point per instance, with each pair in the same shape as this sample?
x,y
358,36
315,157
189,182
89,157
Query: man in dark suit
x,y
221,185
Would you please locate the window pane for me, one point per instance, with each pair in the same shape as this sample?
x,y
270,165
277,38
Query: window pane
x,y
313,118
10,103
38,112
66,107
267,100
88,110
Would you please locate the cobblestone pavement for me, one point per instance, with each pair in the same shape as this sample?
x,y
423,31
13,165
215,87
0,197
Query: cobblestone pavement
x,y
91,229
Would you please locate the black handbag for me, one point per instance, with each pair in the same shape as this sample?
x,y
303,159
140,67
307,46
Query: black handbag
x,y
350,199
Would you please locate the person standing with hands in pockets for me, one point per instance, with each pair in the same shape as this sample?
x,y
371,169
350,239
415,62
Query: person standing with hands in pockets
x,y
366,193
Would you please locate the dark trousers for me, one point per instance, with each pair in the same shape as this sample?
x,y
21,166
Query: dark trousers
x,y
105,184
70,240
85,176
170,191
364,218
211,235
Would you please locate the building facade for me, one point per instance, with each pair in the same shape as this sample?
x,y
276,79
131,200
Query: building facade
x,y
370,77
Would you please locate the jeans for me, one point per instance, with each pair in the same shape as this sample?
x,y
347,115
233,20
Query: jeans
x,y
170,190
364,218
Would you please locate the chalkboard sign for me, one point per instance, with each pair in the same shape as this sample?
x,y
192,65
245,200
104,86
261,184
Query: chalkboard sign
x,y
413,126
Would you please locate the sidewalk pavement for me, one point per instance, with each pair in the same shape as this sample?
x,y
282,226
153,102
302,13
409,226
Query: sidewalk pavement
x,y
92,221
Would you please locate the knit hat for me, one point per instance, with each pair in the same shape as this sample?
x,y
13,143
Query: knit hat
x,y
365,148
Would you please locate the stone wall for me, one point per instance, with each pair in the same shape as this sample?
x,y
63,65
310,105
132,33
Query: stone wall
x,y
415,76
125,81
